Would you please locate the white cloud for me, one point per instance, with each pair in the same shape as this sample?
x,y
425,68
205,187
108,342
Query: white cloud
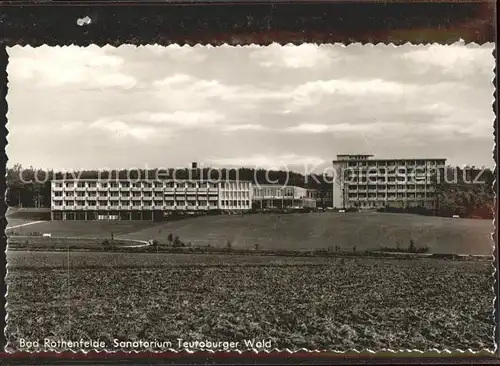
x,y
181,91
173,80
121,129
457,59
352,87
322,92
115,80
183,53
269,161
185,91
309,128
243,127
180,118
372,128
308,100
306,55
71,126
51,67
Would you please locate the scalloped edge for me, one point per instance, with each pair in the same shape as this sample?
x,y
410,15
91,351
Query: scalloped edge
x,y
236,44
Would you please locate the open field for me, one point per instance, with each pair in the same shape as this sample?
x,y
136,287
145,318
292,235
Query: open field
x,y
20,259
368,231
81,260
68,244
312,303
25,216
17,215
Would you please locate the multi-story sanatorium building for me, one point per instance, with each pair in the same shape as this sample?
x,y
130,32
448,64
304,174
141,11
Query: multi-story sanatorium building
x,y
323,197
94,199
278,196
364,182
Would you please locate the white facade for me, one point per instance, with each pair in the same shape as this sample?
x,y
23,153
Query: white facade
x,y
235,195
367,183
110,199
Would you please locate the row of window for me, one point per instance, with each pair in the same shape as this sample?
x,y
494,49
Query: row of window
x,y
244,194
171,184
139,203
227,203
353,187
128,194
379,180
371,204
400,170
284,190
328,194
392,196
368,204
409,163
266,192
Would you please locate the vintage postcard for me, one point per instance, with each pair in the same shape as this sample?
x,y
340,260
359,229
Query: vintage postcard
x,y
312,197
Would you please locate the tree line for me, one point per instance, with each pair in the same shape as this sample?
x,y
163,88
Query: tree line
x,y
466,192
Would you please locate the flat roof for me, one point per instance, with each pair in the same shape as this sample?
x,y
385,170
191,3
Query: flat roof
x,y
257,185
366,155
394,159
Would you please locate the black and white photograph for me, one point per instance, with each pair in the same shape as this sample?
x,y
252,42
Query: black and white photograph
x,y
285,197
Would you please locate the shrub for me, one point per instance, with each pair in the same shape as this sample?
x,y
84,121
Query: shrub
x,y
422,249
170,238
411,247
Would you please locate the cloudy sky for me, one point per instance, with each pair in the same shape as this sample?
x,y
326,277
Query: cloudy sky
x,y
275,106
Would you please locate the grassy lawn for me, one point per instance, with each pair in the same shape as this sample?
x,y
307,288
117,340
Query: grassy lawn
x,y
311,303
84,229
367,231
321,230
27,214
